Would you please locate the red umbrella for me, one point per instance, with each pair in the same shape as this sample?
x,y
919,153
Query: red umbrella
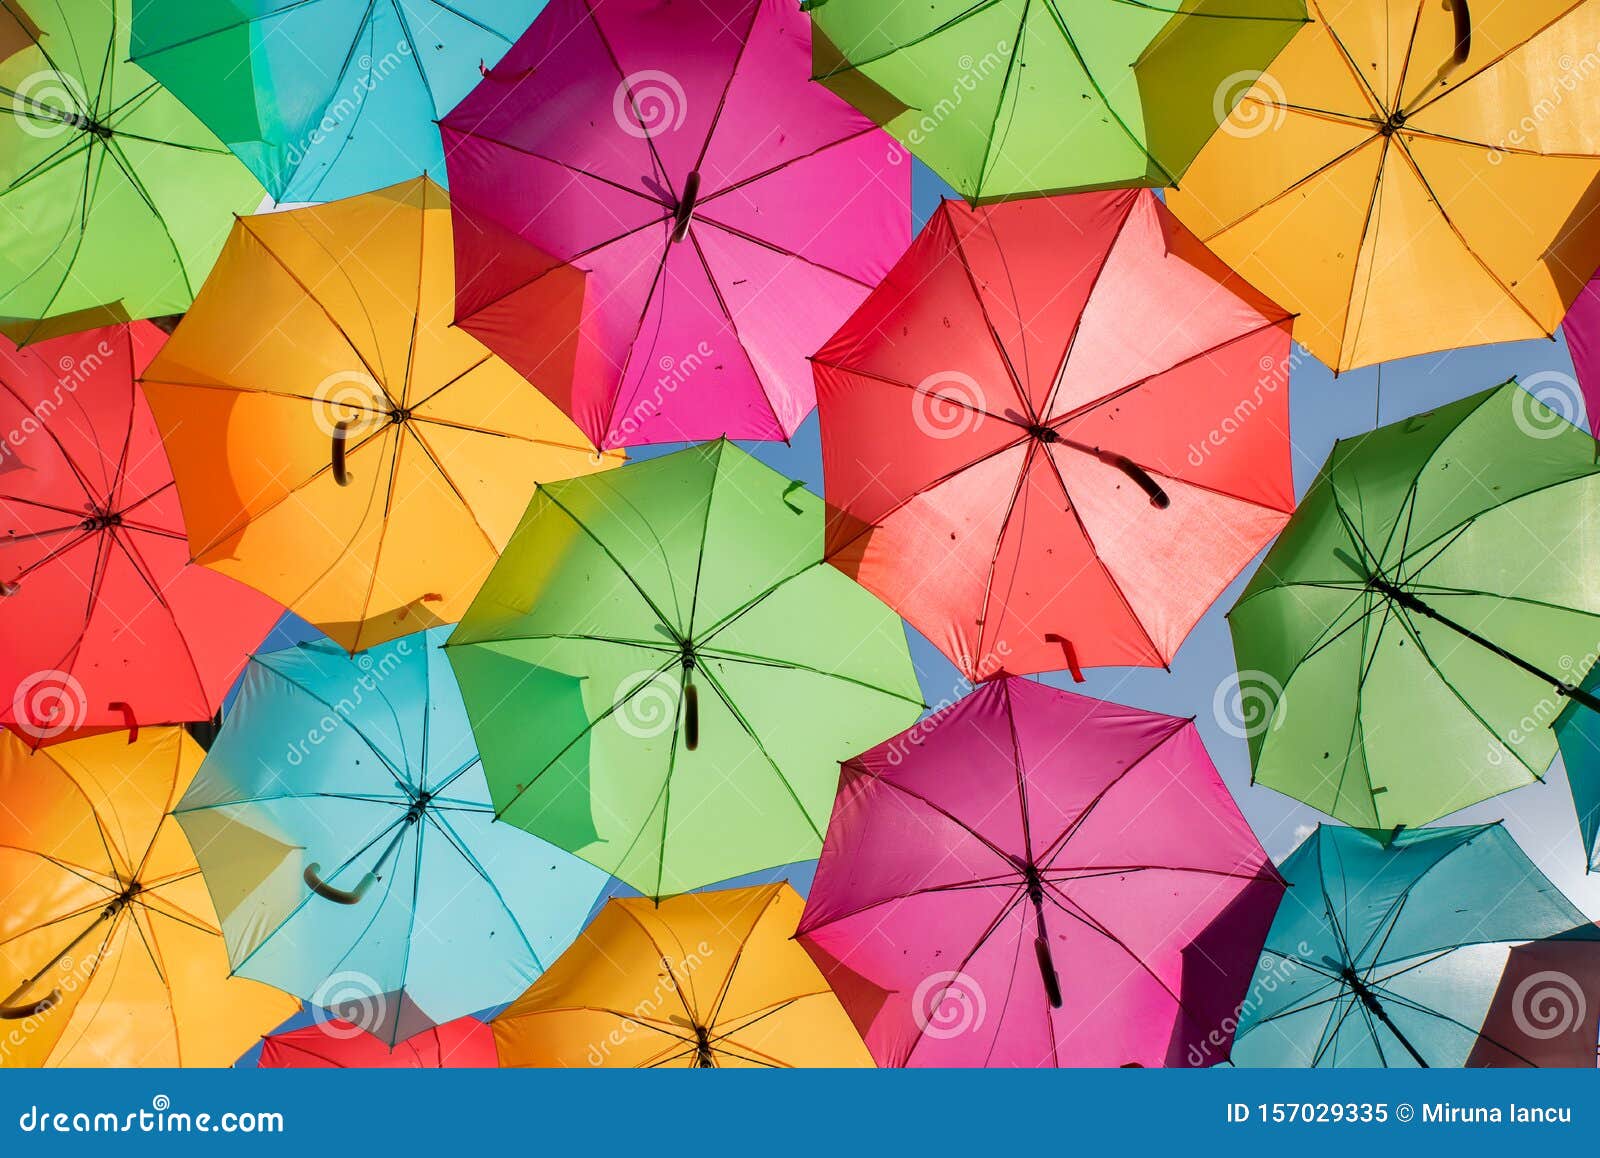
x,y
465,1043
1055,432
106,622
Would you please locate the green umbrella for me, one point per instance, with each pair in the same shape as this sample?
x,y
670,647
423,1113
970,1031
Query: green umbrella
x,y
726,670
1007,98
1426,613
114,199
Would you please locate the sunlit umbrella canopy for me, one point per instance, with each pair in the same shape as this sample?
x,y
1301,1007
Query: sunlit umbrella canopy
x,y
729,212
1411,177
330,99
114,199
1388,951
724,670
1410,637
346,834
1012,97
704,981
1055,433
1544,1008
1034,878
105,621
110,953
465,1043
338,443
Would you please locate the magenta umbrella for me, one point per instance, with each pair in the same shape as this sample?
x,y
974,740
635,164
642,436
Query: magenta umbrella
x,y
730,213
1582,327
1035,878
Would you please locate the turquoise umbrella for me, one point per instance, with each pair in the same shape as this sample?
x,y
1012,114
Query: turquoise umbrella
x,y
1578,736
344,829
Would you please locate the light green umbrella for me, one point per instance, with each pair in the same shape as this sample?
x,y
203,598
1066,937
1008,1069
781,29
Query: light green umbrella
x,y
725,670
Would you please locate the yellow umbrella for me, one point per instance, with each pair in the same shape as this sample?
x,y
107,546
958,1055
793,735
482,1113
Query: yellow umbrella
x,y
703,980
110,953
337,443
1411,177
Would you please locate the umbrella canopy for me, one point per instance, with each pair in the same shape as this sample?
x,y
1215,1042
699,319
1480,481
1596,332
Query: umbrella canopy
x,y
729,212
1582,328
346,835
1364,180
114,199
330,99
465,1043
1055,433
1544,1008
1408,640
705,981
106,622
1388,950
725,670
1034,878
1577,732
109,949
337,443
1011,98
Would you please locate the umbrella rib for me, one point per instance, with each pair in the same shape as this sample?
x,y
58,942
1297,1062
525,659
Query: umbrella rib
x,y
476,23
422,258
416,56
773,170
1094,924
727,85
1326,166
849,65
1000,97
1059,844
638,334
71,464
242,22
114,151
772,246
429,397
411,928
1490,65
438,464
727,314
479,135
174,781
1020,391
983,938
790,665
1024,479
398,774
744,724
677,987
185,810
964,403
1347,340
460,845
1413,133
738,955
1007,881
377,550
1378,108
616,63
605,550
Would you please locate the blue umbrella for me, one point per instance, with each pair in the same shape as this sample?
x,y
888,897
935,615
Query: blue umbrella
x,y
344,829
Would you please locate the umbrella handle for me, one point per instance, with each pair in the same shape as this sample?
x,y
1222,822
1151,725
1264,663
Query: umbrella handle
x,y
338,896
1463,49
684,213
691,712
1070,652
23,1012
341,432
1047,970
129,720
1158,497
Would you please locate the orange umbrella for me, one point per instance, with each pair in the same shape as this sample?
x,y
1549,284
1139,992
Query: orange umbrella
x,y
110,953
337,443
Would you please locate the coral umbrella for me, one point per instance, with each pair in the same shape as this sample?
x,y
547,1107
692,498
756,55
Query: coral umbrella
x,y
704,981
729,212
1055,433
1389,950
337,443
345,832
1407,641
109,949
1034,878
1015,97
114,198
1411,177
465,1043
724,670
106,622
331,99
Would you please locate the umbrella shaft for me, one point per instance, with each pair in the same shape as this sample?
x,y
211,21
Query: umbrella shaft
x,y
1375,1007
28,984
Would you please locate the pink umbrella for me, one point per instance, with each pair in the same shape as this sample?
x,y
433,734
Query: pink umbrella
x,y
730,213
1035,878
1582,327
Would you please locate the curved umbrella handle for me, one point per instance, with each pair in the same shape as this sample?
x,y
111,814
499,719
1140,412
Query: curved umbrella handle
x,y
129,721
9,588
691,713
1458,9
1070,652
341,432
1158,497
684,213
1047,970
327,892
23,1012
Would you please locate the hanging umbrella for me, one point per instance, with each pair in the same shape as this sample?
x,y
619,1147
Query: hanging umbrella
x,y
106,623
1408,640
1034,878
465,1043
1388,948
730,213
1055,433
704,981
114,199
1410,177
725,670
109,951
1582,328
1545,1006
338,444
1577,733
345,832
331,99
1012,98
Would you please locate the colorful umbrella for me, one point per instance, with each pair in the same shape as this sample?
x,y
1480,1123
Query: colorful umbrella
x,y
1577,733
105,621
1034,878
114,199
1409,638
1055,433
1388,950
705,981
1010,98
330,99
725,670
109,950
345,832
465,1043
729,212
338,444
1582,328
1544,1007
1410,177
